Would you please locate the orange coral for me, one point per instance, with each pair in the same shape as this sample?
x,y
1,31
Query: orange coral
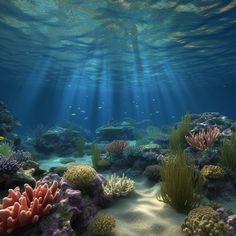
x,y
116,147
20,209
203,139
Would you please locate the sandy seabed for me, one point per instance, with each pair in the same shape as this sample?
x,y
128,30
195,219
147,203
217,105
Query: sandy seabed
x,y
141,214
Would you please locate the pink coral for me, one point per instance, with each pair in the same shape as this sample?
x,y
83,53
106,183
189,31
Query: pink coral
x,y
203,139
20,209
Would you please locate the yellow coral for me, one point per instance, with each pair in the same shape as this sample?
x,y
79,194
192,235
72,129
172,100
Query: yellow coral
x,y
102,225
204,221
212,172
80,175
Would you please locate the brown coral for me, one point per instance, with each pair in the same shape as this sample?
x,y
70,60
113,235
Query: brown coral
x,y
116,147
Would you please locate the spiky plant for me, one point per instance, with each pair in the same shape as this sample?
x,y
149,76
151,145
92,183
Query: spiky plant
x,y
177,135
6,150
182,184
228,153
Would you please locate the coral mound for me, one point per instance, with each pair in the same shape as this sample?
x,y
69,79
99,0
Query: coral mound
x,y
205,221
212,172
102,225
118,186
20,209
117,147
80,175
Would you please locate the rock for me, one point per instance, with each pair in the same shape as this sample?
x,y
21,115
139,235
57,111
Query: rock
x,y
59,141
67,160
110,133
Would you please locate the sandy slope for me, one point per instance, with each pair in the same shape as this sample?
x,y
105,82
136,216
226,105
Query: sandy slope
x,y
141,214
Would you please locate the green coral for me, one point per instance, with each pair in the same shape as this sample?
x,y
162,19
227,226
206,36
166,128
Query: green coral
x,y
102,225
228,153
205,221
181,187
177,136
212,172
118,186
153,132
151,147
5,149
80,175
80,145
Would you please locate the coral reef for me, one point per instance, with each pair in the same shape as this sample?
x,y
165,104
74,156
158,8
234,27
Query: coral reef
x,y
80,175
203,139
204,221
118,186
116,147
212,172
20,209
102,225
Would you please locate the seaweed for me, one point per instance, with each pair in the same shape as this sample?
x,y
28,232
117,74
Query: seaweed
x,y
181,187
6,149
228,153
177,135
80,145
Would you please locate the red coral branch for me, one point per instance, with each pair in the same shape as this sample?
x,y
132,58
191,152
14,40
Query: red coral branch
x,y
20,209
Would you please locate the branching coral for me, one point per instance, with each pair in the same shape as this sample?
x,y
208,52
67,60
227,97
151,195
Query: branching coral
x,y
212,172
80,175
102,225
182,185
20,209
203,139
116,147
118,186
9,166
205,221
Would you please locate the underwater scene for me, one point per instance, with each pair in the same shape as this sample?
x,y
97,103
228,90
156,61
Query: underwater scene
x,y
117,118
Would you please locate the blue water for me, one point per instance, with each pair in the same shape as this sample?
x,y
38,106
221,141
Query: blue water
x,y
92,62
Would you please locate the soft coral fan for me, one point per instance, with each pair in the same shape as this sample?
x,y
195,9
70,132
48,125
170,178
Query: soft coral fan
x,y
20,209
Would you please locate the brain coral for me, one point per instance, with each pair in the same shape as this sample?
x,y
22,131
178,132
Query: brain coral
x,y
102,225
80,175
205,221
212,172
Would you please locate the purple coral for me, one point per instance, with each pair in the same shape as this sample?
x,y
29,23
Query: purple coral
x,y
21,156
9,166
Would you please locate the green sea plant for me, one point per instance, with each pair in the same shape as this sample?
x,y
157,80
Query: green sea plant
x,y
102,225
177,135
6,149
228,153
181,187
153,132
98,160
80,145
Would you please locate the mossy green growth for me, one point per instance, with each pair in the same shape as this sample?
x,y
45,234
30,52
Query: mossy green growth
x,y
80,145
153,132
97,159
228,153
5,149
182,185
177,135
150,147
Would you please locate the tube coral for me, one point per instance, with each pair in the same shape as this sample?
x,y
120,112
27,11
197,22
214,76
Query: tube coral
x,y
20,209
